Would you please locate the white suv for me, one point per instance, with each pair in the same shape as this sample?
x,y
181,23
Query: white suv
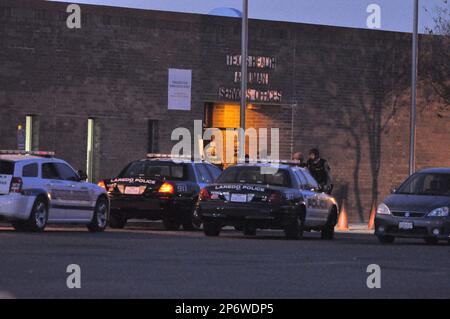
x,y
36,189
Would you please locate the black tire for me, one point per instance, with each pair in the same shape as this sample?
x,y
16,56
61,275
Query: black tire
x,y
294,230
171,223
38,217
249,230
211,229
19,225
100,218
191,220
327,232
239,228
431,241
385,239
117,221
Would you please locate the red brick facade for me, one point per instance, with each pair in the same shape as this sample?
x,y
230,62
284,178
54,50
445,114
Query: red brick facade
x,y
345,91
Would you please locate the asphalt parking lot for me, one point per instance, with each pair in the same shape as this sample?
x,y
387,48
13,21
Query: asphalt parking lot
x,y
147,262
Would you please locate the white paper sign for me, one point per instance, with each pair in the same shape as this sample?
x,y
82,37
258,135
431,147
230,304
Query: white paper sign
x,y
180,86
5,183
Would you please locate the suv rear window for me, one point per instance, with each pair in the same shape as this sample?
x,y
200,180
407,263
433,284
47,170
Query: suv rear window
x,y
155,169
252,175
7,168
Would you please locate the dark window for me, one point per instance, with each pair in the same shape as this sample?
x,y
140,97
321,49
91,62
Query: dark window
x,y
311,181
426,184
30,170
49,171
7,168
214,171
252,175
155,169
66,172
302,179
203,174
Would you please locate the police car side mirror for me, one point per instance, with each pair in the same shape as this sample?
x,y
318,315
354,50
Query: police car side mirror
x,y
393,190
83,176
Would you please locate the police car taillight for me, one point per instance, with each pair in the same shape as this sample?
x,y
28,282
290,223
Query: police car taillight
x,y
204,194
166,188
102,184
16,185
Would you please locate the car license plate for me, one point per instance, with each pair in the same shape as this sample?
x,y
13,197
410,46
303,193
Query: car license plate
x,y
405,225
132,190
239,198
5,184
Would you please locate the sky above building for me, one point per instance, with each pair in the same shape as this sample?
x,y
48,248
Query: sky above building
x,y
396,15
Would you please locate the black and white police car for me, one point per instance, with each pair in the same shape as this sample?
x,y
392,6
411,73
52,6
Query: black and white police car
x,y
159,187
288,199
37,189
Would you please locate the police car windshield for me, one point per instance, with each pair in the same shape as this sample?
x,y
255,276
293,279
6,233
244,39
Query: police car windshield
x,y
426,184
252,175
6,168
155,169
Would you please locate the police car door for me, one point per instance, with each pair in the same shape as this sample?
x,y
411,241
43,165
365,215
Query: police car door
x,y
313,213
320,199
58,191
80,206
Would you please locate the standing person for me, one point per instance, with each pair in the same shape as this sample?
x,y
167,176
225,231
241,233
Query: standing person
x,y
298,156
320,170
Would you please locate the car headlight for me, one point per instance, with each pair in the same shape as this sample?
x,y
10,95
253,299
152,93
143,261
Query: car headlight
x,y
383,209
439,212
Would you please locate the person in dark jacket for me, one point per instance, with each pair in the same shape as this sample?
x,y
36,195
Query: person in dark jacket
x,y
320,170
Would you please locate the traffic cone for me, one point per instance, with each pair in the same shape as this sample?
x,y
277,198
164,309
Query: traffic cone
x,y
342,223
371,225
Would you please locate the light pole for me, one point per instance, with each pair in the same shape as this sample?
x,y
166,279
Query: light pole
x,y
412,143
244,55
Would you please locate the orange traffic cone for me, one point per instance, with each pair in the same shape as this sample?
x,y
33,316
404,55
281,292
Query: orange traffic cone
x,y
342,224
371,225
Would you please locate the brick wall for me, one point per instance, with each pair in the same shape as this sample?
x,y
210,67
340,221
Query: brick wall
x,y
344,90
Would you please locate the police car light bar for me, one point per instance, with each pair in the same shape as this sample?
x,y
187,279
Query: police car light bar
x,y
158,155
30,153
271,161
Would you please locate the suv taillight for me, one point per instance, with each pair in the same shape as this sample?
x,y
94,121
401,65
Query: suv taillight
x,y
166,188
16,185
204,194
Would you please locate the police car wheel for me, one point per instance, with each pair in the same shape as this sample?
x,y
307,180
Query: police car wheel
x,y
294,230
192,221
327,232
38,217
249,230
116,221
211,229
100,218
171,223
431,241
386,239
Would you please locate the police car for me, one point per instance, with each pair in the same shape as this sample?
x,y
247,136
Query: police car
x,y
37,189
283,197
159,187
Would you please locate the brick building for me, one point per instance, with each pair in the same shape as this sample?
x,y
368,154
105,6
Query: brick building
x,y
343,90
